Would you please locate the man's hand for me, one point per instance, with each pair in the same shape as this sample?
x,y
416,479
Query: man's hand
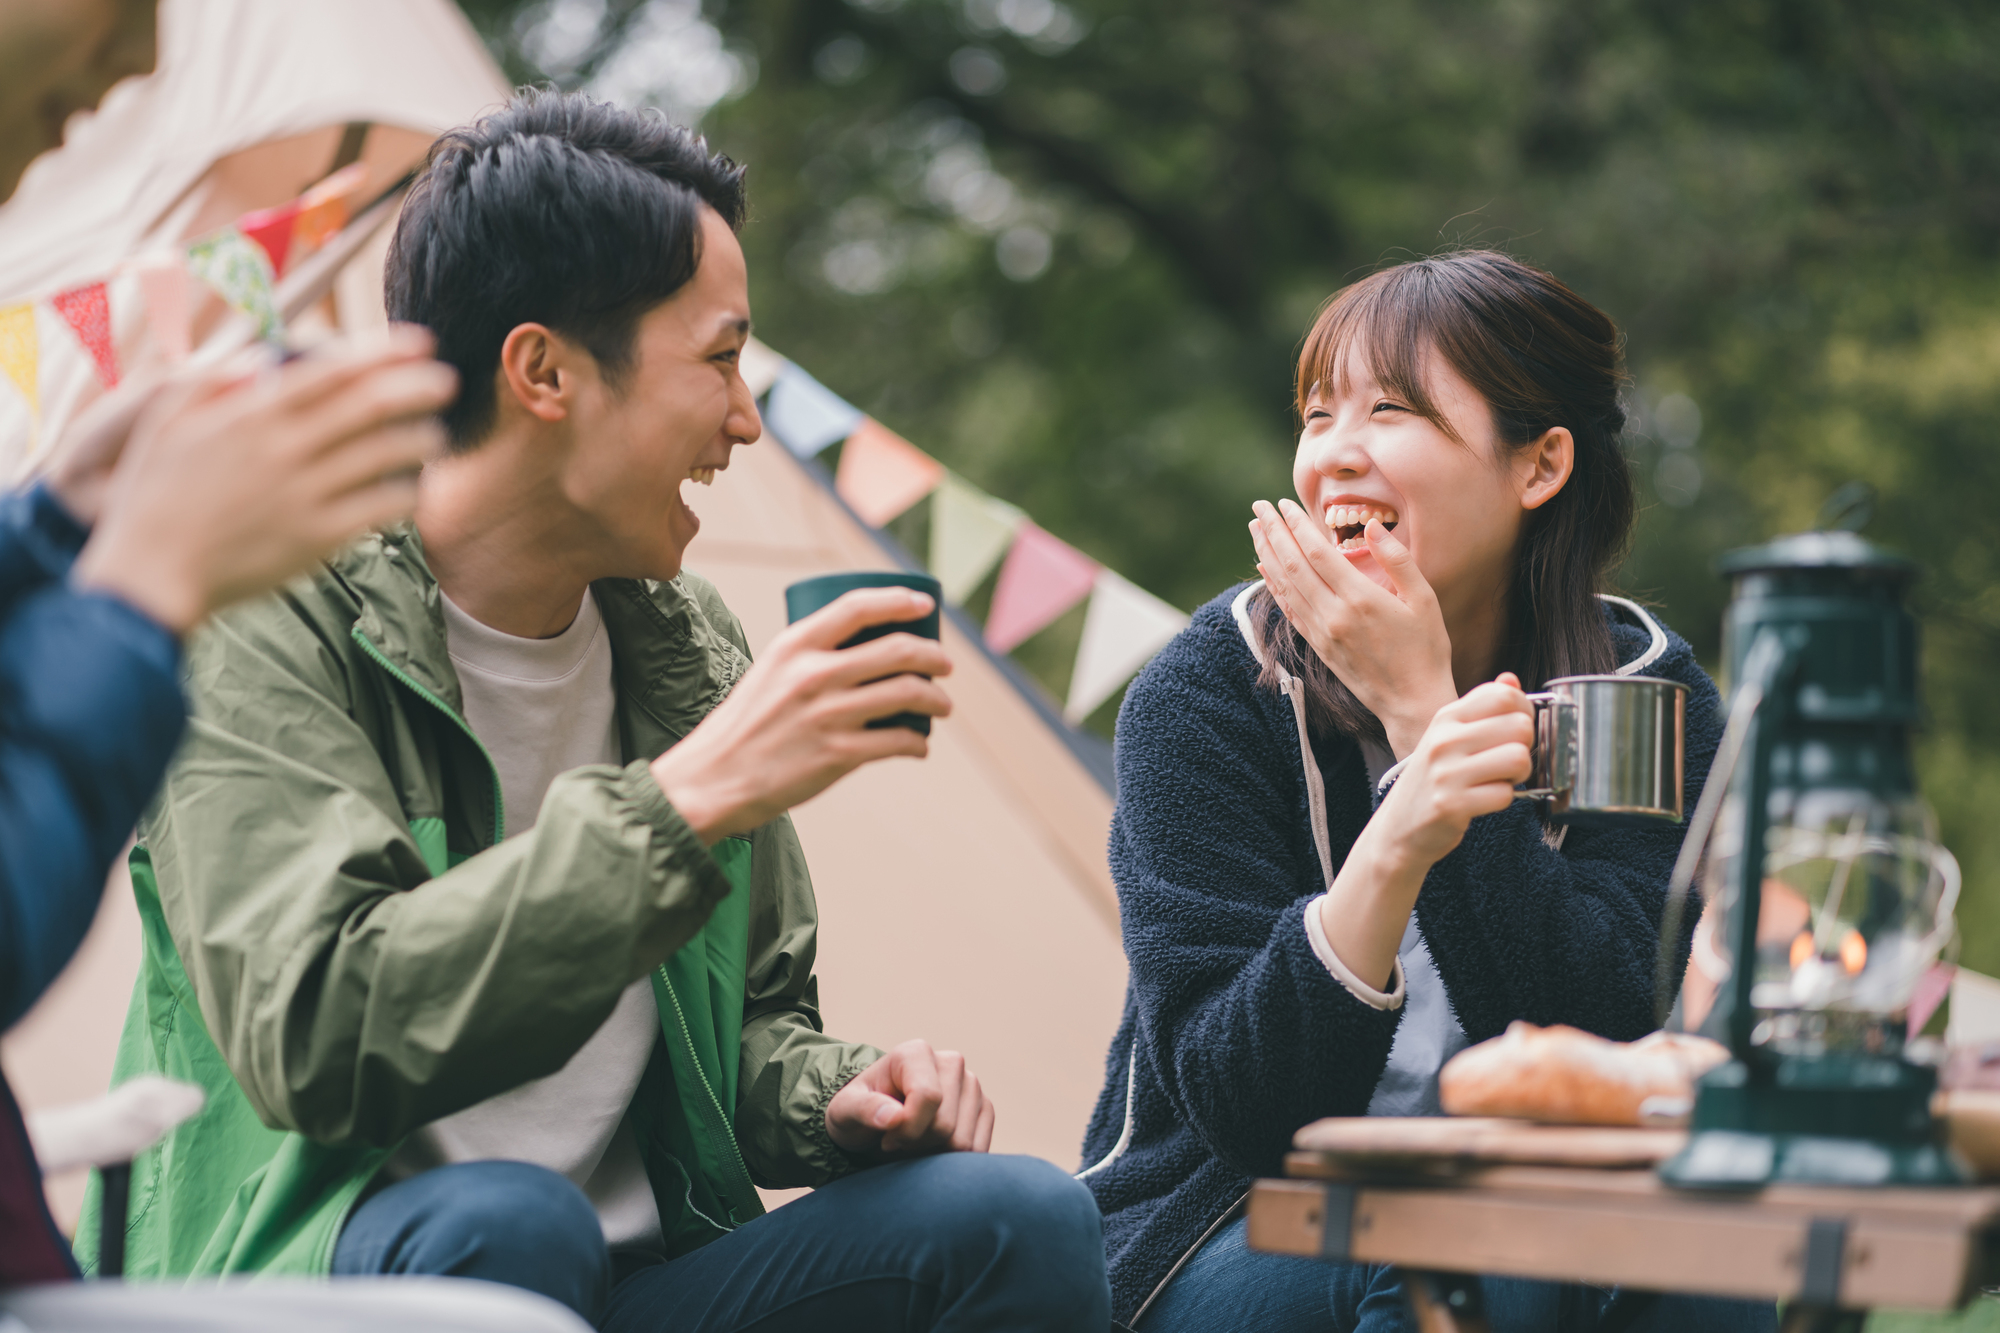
x,y
797,721
235,479
912,1102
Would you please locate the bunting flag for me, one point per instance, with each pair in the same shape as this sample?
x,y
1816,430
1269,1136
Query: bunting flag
x,y
163,287
970,531
21,354
1932,987
240,272
759,366
1043,577
1122,629
323,209
882,474
805,415
271,229
87,310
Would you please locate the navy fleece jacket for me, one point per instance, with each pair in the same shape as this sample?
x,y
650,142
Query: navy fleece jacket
x,y
1234,1033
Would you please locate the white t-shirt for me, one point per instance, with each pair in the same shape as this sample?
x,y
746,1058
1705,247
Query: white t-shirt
x,y
542,707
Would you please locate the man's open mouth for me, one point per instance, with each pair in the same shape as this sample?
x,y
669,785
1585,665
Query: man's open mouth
x,y
704,475
1349,522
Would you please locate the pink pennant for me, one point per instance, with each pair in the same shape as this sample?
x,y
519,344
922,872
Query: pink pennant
x,y
87,310
163,286
271,229
882,474
1043,577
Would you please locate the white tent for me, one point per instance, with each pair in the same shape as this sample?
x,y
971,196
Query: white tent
x,y
964,899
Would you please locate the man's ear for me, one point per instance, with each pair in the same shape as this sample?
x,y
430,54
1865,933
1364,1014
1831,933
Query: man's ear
x,y
537,371
1542,468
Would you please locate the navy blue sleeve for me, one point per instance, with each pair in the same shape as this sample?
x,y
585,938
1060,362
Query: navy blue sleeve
x,y
1521,930
90,712
1250,1034
38,542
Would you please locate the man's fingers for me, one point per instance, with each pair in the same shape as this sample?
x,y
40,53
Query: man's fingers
x,y
885,698
982,1138
852,612
970,1112
951,1090
890,655
915,1073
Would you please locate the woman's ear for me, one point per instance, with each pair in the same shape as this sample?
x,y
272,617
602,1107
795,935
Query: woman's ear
x,y
1542,469
534,372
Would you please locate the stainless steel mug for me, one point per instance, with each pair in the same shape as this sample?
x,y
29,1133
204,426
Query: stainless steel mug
x,y
1608,750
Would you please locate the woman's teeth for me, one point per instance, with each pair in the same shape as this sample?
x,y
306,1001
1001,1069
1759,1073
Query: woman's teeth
x,y
704,475
1350,522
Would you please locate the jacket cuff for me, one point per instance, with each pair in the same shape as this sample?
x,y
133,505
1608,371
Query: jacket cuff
x,y
832,1159
673,837
1359,989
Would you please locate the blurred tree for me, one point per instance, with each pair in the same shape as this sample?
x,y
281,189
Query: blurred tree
x,y
1070,247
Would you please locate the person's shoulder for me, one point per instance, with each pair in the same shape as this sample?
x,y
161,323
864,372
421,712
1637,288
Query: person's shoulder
x,y
1208,664
1642,651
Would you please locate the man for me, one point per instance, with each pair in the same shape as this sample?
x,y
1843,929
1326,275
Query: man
x,y
476,863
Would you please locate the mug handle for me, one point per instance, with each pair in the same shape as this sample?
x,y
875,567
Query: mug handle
x,y
1547,751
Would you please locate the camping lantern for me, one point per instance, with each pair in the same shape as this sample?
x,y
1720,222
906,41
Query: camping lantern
x,y
1819,836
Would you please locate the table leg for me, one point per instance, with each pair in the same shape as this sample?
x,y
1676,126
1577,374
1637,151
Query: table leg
x,y
1443,1302
1800,1318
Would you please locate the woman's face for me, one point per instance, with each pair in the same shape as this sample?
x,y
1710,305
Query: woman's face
x,y
1456,504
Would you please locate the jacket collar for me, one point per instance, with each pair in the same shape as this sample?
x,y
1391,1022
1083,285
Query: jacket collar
x,y
669,664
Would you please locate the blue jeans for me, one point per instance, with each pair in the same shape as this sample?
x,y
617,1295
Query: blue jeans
x,y
1229,1286
960,1241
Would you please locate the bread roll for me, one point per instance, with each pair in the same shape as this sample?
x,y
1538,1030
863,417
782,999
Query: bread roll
x,y
1565,1076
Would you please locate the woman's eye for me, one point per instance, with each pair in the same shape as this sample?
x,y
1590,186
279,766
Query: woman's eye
x,y
1386,406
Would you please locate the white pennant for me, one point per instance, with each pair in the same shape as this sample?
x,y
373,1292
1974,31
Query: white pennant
x,y
1122,629
970,531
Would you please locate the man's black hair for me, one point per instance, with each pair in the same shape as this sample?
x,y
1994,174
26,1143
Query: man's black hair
x,y
558,210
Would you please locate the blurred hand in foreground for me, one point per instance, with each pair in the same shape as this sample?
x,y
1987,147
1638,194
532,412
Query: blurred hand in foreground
x,y
912,1102
798,720
220,485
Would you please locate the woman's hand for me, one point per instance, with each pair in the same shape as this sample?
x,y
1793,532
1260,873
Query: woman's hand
x,y
1466,765
1389,648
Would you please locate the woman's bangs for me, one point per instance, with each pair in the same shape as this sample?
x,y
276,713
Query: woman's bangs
x,y
1382,321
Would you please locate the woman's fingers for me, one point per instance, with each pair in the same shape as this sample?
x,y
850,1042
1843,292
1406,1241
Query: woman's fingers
x,y
1397,562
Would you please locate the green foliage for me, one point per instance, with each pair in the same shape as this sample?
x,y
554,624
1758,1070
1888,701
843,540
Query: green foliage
x,y
1071,249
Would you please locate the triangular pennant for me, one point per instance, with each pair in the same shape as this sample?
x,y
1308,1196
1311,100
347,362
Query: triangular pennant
x,y
805,415
1932,986
238,270
324,208
881,474
970,531
87,310
271,229
1043,577
1124,626
21,354
759,366
163,288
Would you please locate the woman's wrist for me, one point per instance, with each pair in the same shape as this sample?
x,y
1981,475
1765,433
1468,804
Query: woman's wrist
x,y
1405,726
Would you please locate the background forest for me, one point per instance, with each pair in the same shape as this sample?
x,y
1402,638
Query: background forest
x,y
1070,249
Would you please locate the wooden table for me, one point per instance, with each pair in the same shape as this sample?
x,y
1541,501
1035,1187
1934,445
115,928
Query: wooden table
x,y
1830,1254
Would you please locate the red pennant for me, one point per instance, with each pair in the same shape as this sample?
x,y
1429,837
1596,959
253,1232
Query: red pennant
x,y
88,311
1044,576
271,228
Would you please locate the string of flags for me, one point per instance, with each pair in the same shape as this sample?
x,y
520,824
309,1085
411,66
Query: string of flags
x,y
153,297
881,476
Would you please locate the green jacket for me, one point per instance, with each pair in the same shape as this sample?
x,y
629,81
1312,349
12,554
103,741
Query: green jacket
x,y
341,948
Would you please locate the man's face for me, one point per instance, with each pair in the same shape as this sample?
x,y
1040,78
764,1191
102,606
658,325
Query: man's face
x,y
681,408
58,57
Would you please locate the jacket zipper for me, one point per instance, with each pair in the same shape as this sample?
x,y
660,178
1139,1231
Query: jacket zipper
x,y
492,769
714,1102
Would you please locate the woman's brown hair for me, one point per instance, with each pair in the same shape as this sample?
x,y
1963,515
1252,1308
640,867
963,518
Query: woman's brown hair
x,y
1541,356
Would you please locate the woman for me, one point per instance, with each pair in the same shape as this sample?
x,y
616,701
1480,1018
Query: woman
x,y
1326,883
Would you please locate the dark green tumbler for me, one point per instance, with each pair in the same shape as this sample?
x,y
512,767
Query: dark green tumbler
x,y
809,595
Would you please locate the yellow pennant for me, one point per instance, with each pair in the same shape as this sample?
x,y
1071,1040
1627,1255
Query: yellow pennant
x,y
20,354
